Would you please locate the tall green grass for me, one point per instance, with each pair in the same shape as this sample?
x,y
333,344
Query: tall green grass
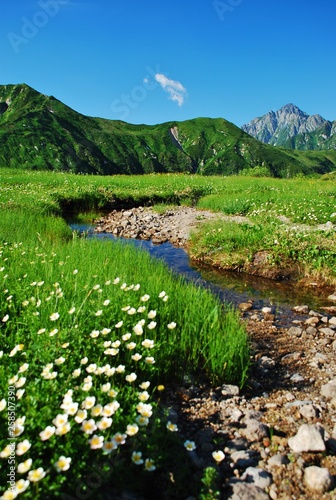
x,y
307,201
235,242
89,332
64,299
19,226
307,251
60,193
87,319
186,350
282,221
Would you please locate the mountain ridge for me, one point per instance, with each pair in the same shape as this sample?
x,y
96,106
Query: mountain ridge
x,y
40,132
290,127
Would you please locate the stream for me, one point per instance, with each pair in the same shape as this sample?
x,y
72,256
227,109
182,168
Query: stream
x,y
232,287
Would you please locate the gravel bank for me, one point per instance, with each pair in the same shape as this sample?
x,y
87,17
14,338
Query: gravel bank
x,y
278,434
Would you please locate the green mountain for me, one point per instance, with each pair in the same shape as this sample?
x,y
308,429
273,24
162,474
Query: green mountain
x,y
40,132
322,138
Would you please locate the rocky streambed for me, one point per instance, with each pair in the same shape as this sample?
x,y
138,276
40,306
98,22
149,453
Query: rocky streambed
x,y
279,433
173,225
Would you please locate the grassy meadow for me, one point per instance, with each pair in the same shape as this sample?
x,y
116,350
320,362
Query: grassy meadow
x,y
92,332
290,221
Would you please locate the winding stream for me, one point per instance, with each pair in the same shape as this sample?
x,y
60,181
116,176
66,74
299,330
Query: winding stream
x,y
229,286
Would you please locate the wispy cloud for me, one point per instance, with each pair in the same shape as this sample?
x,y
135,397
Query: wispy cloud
x,y
175,89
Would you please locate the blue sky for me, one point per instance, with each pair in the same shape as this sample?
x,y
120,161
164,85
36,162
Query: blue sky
x,y
146,61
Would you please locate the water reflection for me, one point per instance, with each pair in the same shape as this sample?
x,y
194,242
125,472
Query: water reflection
x,y
230,286
276,292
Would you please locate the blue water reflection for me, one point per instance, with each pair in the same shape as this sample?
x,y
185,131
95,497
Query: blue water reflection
x,y
229,286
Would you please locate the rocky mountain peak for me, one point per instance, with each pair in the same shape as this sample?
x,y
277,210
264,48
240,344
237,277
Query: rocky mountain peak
x,y
280,127
291,109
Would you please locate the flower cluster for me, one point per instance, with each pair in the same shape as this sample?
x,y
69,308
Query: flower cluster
x,y
104,364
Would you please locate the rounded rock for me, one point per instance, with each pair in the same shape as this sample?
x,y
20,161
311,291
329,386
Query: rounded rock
x,y
308,438
258,477
229,391
248,491
318,479
278,460
329,390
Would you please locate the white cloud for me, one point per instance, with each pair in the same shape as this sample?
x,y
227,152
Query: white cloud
x,y
175,89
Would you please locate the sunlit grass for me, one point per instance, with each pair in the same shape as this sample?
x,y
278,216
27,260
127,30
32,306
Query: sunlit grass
x,y
78,368
308,201
305,200
89,332
20,225
230,245
79,316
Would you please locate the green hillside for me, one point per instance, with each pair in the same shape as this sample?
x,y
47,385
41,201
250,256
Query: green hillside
x,y
322,138
39,132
